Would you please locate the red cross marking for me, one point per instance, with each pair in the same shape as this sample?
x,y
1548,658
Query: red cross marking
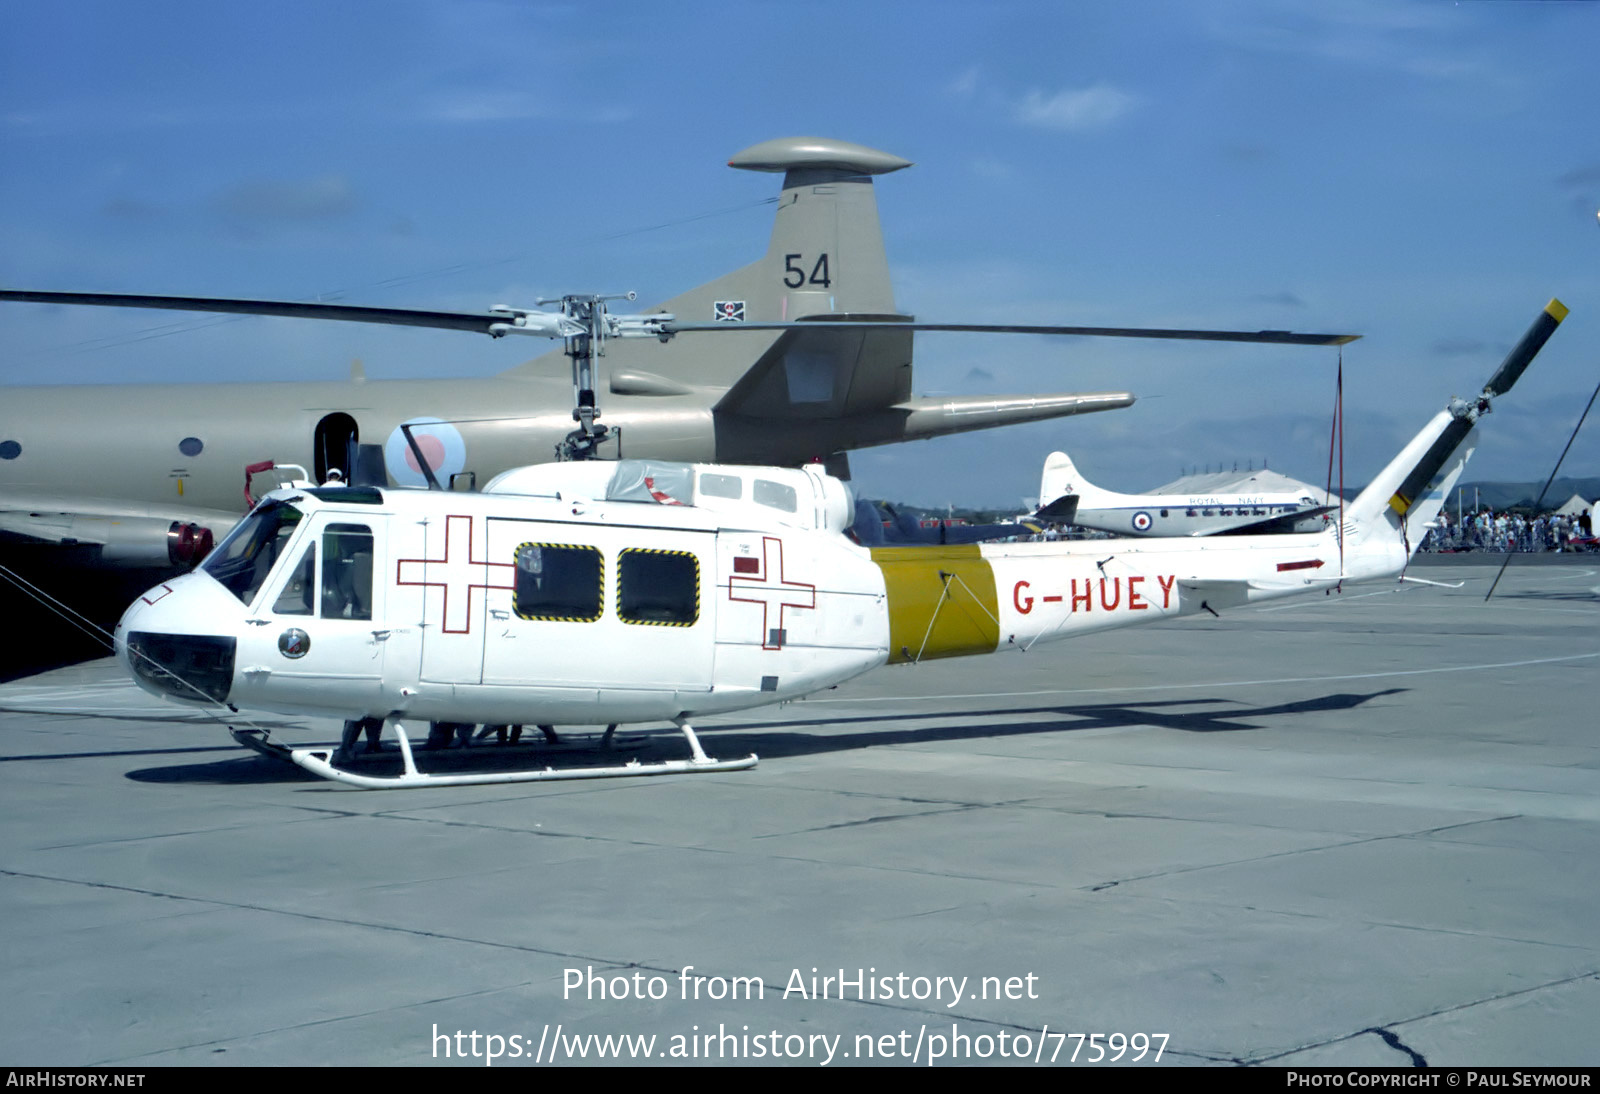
x,y
455,572
770,588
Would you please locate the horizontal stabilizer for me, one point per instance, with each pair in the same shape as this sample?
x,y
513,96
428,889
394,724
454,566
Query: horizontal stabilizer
x,y
1064,510
936,417
1213,594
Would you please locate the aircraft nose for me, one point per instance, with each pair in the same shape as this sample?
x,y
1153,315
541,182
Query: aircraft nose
x,y
163,659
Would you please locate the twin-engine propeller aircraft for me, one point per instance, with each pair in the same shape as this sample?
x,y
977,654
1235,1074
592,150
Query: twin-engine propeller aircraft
x,y
811,361
1264,502
602,593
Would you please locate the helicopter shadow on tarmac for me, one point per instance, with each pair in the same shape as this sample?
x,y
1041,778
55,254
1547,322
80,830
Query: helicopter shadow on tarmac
x,y
777,741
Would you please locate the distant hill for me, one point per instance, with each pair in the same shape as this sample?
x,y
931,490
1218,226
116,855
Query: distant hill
x,y
1517,495
1511,495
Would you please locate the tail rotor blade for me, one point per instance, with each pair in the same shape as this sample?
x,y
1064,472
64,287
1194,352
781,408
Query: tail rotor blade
x,y
1517,360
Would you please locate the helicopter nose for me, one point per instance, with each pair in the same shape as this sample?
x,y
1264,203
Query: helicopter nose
x,y
157,647
191,667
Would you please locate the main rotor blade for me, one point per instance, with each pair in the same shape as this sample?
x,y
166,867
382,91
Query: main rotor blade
x,y
404,317
1280,337
1517,361
481,323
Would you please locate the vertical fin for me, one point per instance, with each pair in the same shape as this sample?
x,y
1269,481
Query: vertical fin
x,y
1062,477
825,255
826,251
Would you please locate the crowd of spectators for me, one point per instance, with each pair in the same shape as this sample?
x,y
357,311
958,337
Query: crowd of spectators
x,y
1488,531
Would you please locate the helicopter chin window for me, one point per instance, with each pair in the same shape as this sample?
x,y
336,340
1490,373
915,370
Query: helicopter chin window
x,y
185,666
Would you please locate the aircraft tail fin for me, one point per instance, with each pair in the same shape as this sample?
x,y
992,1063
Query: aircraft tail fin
x,y
825,256
1061,477
826,252
810,392
1390,515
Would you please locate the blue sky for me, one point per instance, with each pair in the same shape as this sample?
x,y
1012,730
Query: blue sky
x,y
1425,174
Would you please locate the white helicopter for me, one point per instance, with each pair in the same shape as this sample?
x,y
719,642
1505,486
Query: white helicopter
x,y
602,593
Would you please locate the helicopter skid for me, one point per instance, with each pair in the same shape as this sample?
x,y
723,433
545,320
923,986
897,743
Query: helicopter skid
x,y
319,761
257,740
316,761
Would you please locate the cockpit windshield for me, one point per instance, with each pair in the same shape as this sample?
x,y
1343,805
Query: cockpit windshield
x,y
243,560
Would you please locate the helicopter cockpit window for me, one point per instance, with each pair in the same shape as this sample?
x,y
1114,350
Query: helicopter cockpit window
x,y
347,572
775,495
559,582
659,587
243,560
296,597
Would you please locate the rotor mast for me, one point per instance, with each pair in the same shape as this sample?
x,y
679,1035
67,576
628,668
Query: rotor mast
x,y
587,314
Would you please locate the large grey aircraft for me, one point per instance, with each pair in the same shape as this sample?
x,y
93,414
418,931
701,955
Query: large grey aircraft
x,y
798,356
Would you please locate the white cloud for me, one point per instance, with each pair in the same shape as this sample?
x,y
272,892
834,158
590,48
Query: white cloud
x,y
511,106
487,106
1426,40
1075,111
1070,110
965,85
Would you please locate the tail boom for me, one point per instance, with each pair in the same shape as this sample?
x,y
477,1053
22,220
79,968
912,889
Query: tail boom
x,y
980,598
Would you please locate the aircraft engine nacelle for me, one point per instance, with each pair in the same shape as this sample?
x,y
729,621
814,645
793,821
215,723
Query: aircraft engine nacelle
x,y
142,542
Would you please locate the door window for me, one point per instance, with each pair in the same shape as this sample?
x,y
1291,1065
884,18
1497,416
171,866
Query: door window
x,y
659,587
296,597
559,581
347,572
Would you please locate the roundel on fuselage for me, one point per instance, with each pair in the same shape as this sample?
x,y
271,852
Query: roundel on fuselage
x,y
441,445
1141,521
